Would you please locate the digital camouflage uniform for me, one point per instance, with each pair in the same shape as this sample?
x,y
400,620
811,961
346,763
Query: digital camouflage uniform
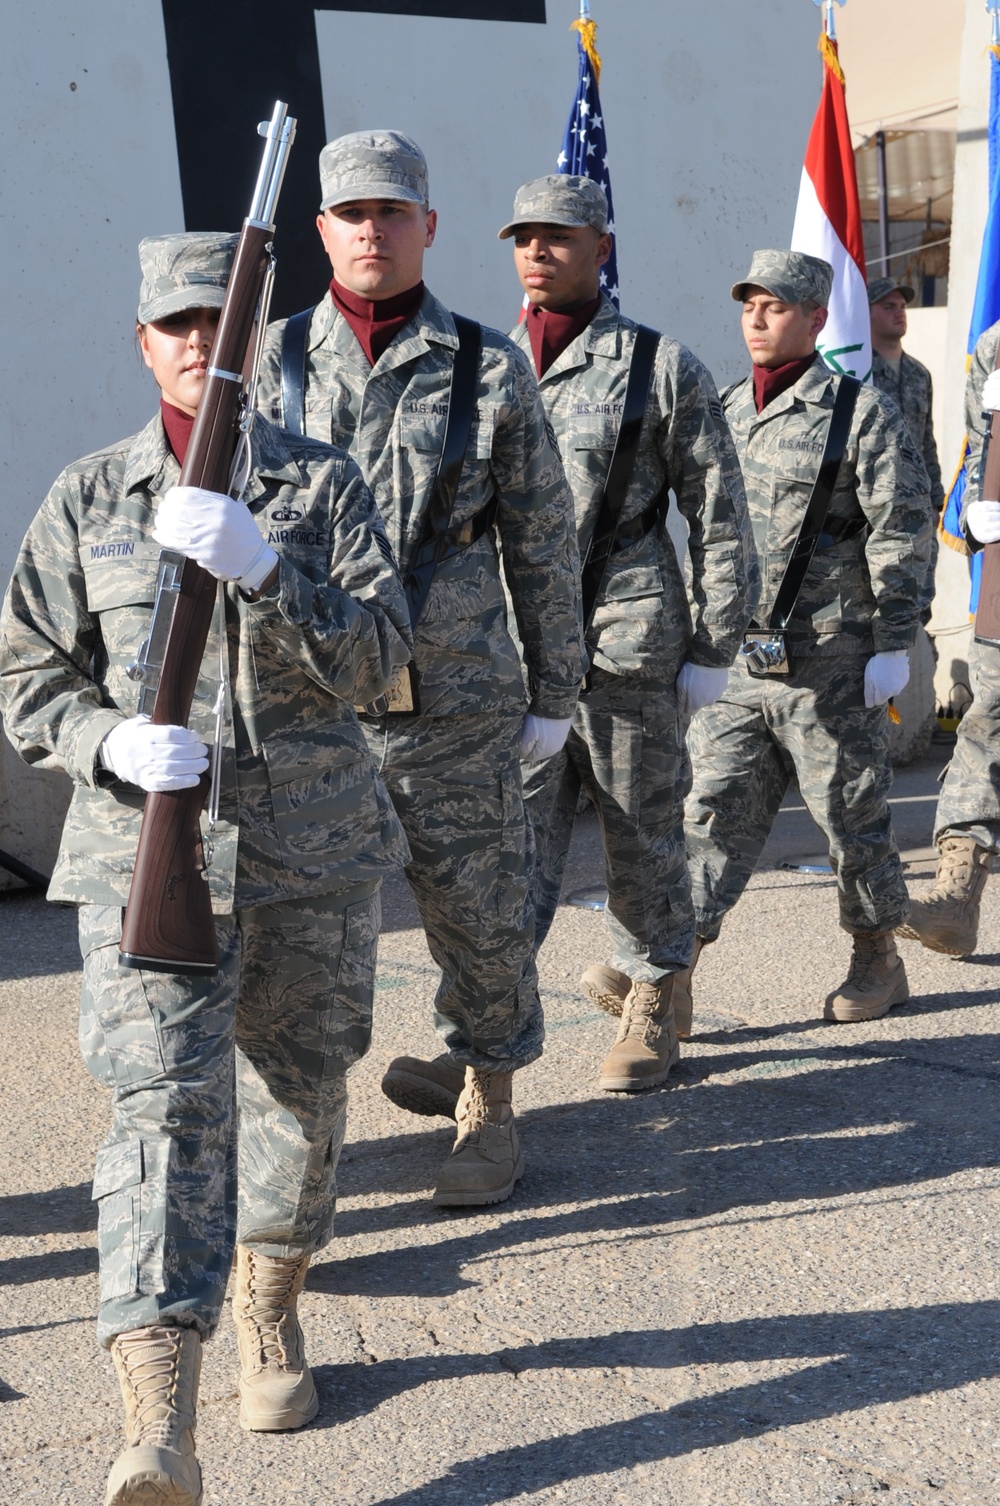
x,y
969,805
306,832
626,745
452,770
861,596
912,392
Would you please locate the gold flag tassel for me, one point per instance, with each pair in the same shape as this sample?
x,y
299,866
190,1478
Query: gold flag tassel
x,y
828,51
588,41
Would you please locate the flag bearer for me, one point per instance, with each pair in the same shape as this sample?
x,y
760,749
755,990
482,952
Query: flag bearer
x,y
967,824
658,649
850,622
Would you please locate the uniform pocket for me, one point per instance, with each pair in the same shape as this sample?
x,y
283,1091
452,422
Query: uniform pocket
x,y
118,1036
321,798
118,1191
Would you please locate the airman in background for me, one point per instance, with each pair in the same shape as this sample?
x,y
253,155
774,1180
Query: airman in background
x,y
908,382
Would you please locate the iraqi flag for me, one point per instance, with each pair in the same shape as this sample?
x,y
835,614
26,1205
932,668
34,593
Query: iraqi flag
x,y
828,224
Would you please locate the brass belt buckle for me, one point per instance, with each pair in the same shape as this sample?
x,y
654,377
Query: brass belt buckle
x,y
400,698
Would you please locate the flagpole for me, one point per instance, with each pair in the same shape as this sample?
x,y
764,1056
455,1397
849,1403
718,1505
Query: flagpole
x,y
829,26
993,6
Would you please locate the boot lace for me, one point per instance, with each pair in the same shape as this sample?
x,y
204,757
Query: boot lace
x,y
266,1304
639,1010
957,861
151,1359
863,960
475,1109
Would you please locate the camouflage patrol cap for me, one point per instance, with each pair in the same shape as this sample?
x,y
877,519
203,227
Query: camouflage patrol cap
x,y
372,165
559,199
881,287
185,271
792,276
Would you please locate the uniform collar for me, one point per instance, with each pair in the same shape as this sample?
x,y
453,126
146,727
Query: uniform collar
x,y
152,466
602,337
814,386
432,325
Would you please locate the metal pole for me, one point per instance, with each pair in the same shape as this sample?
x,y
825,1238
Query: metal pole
x,y
584,10
883,201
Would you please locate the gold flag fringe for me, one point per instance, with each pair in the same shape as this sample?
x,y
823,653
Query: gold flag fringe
x,y
959,545
828,51
588,41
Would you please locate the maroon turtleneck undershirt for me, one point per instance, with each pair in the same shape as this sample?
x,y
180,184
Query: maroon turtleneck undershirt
x,y
376,324
177,426
551,330
770,382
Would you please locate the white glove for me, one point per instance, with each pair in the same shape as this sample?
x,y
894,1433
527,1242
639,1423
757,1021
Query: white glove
x,y
991,392
885,676
155,758
982,519
542,736
699,685
217,532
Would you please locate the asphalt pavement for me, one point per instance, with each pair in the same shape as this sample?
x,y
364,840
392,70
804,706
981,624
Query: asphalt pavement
x,y
772,1281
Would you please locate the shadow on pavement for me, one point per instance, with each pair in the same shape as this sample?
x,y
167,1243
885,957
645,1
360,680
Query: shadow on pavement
x,y
908,1113
865,1359
59,1210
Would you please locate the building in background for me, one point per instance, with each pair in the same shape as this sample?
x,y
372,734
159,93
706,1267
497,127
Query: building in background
x,y
129,120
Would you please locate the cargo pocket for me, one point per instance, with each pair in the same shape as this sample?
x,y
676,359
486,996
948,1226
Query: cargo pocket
x,y
118,1192
323,799
118,1036
512,876
350,1023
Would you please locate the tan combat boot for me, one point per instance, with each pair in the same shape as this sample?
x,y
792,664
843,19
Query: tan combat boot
x,y
608,989
276,1384
646,1047
424,1087
947,920
486,1160
875,981
158,1369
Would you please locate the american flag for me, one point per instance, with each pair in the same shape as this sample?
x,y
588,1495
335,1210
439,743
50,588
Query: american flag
x,y
585,144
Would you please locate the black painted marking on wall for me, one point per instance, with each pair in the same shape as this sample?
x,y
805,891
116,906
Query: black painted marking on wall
x,y
228,63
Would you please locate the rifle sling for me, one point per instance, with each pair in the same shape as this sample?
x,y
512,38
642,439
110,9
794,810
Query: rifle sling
x,y
439,540
293,371
438,534
818,505
602,540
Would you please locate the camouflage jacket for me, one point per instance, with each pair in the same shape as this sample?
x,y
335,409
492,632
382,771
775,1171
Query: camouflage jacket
x,y
302,810
913,393
977,423
862,592
646,621
391,417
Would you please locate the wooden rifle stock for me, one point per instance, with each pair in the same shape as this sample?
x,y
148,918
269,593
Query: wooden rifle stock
x,y
168,925
986,628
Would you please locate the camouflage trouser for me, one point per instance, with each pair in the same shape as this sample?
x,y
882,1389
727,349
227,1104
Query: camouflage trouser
x,y
456,785
970,799
816,732
268,1040
624,750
